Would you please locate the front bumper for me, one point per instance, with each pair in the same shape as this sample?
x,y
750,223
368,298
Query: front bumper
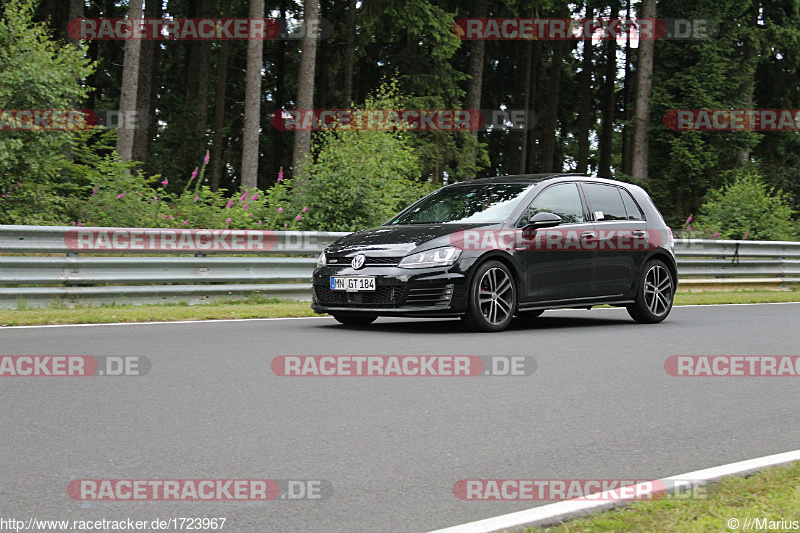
x,y
398,292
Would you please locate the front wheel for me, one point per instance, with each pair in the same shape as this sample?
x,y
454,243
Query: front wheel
x,y
492,298
354,320
654,294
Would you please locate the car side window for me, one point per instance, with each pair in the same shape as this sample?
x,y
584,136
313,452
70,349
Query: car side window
x,y
605,202
562,199
634,213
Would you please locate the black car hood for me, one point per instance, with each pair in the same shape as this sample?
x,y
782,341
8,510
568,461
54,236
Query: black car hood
x,y
400,240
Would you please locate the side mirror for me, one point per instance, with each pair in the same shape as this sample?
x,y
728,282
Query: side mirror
x,y
543,220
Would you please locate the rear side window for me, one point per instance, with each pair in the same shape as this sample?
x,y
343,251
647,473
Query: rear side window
x,y
605,202
634,213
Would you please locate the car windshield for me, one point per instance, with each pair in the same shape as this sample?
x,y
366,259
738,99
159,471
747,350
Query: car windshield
x,y
484,203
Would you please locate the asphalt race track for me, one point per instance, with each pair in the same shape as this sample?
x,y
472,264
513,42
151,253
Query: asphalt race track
x,y
600,405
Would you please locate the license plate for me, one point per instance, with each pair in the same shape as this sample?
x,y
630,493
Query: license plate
x,y
352,283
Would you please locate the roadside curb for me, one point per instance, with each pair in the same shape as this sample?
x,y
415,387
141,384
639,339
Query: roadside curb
x,y
555,513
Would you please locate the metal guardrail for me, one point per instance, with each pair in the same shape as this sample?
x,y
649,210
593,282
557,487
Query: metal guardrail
x,y
127,265
84,273
720,264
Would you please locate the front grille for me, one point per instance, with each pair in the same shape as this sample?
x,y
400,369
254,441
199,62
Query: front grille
x,y
385,296
341,260
429,295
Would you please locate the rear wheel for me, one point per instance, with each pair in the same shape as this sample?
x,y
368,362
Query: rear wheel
x,y
492,298
654,295
355,320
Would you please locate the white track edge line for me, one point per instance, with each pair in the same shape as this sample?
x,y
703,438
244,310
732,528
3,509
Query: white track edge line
x,y
558,512
209,320
317,317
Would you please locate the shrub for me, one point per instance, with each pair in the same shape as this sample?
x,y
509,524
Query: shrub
x,y
359,179
748,208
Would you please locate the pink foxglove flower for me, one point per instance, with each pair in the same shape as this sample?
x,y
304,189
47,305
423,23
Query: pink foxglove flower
x,y
305,209
280,210
227,221
280,174
299,217
121,196
194,173
165,182
207,158
196,198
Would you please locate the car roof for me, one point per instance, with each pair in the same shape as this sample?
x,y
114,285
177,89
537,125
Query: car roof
x,y
537,178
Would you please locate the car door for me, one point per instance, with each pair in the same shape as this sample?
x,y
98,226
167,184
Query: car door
x,y
621,237
559,261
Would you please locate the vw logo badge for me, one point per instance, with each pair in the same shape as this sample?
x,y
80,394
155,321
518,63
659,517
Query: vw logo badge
x,y
358,261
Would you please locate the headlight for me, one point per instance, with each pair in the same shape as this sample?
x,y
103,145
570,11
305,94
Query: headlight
x,y
432,258
322,261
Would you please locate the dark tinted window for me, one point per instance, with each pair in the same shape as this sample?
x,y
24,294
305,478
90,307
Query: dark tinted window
x,y
563,200
634,213
480,203
605,202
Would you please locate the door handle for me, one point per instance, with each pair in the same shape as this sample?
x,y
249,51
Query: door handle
x,y
588,235
639,233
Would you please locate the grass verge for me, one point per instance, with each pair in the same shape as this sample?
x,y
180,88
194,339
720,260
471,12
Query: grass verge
x,y
260,307
772,495
252,308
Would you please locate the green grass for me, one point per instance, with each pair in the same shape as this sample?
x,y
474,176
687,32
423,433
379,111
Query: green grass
x,y
773,494
251,308
736,297
261,307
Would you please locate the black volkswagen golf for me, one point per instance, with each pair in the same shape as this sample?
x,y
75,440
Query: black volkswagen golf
x,y
491,249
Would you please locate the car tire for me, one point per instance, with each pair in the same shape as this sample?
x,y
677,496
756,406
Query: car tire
x,y
355,320
654,294
492,298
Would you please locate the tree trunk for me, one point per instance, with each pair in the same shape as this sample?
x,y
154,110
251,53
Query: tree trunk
x,y
532,165
349,54
305,87
279,147
644,85
551,113
148,63
252,103
585,106
609,105
130,82
76,8
477,58
203,83
743,156
627,104
215,174
527,105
